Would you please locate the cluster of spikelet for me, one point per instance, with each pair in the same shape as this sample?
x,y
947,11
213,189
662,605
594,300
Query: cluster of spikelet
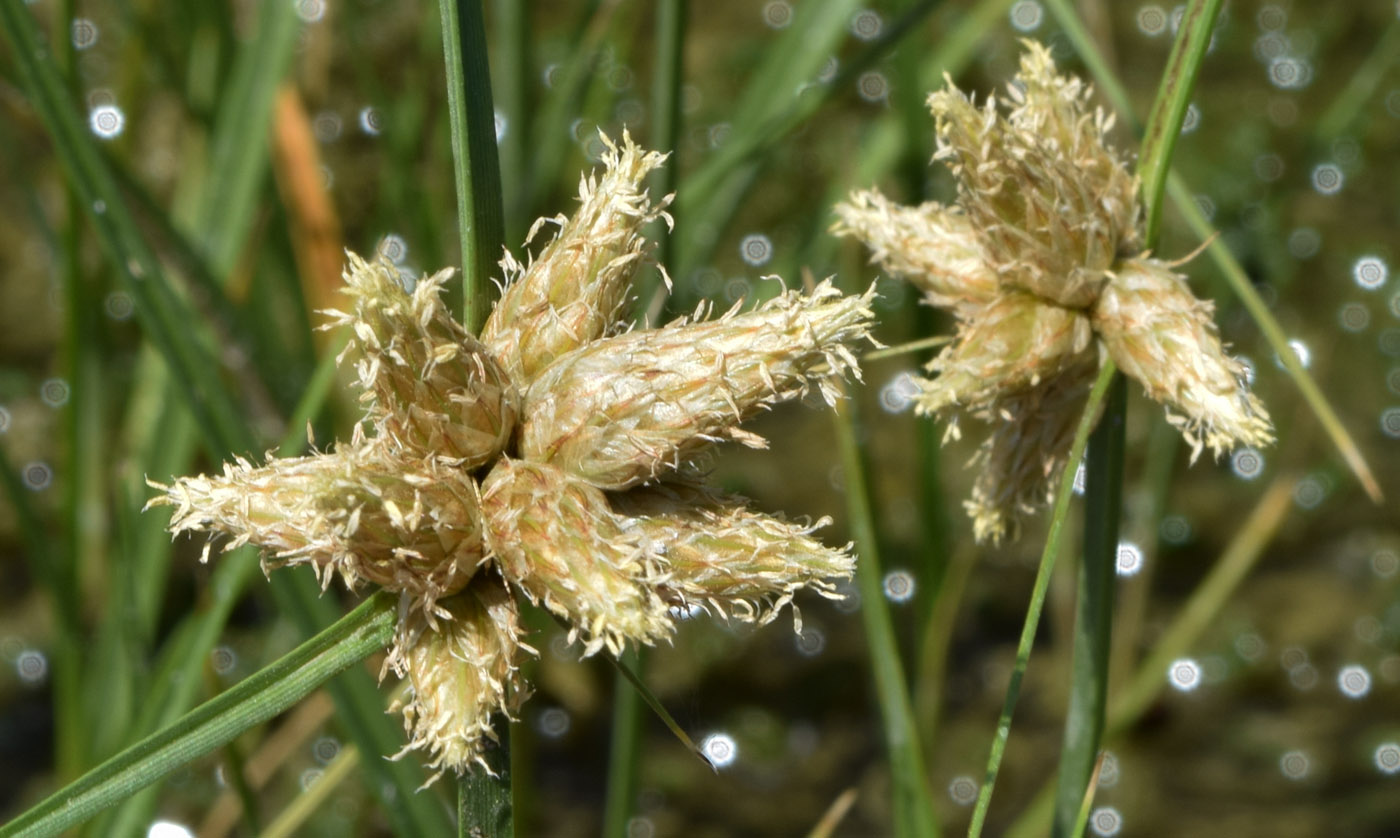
x,y
1041,262
553,456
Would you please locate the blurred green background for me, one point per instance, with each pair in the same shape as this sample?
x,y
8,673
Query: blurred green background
x,y
248,143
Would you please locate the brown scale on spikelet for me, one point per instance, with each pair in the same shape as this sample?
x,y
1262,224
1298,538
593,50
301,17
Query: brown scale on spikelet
x,y
607,409
1053,213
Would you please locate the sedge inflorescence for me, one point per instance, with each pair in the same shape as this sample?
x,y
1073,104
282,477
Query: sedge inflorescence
x,y
1041,263
554,456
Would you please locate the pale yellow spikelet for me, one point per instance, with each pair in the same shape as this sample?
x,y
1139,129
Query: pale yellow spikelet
x,y
431,388
1020,463
353,511
556,537
462,668
1055,206
1012,344
630,408
933,246
726,558
574,291
1160,334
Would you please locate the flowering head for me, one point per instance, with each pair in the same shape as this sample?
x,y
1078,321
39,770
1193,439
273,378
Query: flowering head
x,y
1040,263
538,459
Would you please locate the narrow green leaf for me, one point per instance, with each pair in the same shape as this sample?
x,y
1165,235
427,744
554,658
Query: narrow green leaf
x,y
913,804
238,158
162,314
254,700
1169,109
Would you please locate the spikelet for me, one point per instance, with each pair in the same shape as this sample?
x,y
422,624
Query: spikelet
x,y
352,511
1020,463
628,409
462,669
555,537
1160,334
1054,205
724,557
431,388
931,245
1012,344
573,292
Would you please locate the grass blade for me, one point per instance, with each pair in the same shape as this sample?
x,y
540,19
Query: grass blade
x,y
913,804
1169,109
162,314
238,158
256,699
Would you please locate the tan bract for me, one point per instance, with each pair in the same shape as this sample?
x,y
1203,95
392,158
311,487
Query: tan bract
x,y
1040,261
605,410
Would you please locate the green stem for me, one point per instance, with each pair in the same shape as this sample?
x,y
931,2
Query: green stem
x,y
1169,109
666,115
476,170
1058,517
483,798
624,751
1093,621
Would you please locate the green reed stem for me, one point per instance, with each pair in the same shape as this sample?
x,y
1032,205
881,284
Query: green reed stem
x,y
476,170
1088,699
483,797
624,751
1058,516
1093,618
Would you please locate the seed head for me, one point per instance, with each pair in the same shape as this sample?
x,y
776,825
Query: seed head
x,y
633,407
461,669
431,388
573,292
355,511
726,557
1041,264
1159,333
607,409
556,537
933,246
